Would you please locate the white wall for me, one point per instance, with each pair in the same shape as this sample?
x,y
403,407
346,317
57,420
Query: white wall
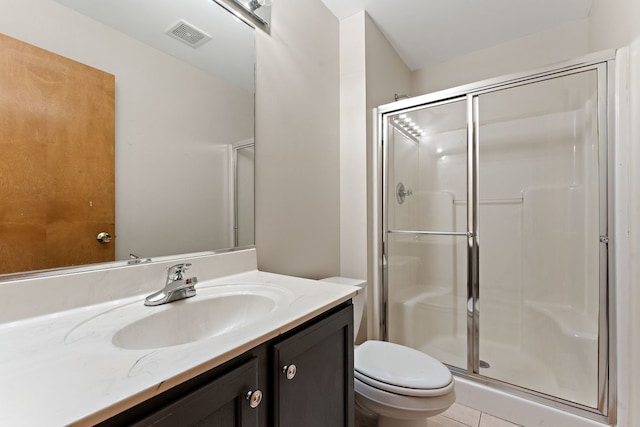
x,y
386,76
629,316
171,120
298,141
614,24
353,147
524,54
371,73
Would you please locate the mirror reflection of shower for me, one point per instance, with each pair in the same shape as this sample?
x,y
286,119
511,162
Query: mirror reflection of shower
x,y
243,193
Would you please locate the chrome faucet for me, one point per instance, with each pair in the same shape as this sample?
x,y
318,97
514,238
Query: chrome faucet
x,y
177,287
135,259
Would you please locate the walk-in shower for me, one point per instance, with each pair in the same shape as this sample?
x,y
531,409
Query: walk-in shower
x,y
492,232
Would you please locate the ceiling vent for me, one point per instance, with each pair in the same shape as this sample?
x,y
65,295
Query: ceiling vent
x,y
188,34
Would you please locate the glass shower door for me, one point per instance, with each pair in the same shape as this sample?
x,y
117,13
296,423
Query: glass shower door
x,y
492,234
540,173
426,228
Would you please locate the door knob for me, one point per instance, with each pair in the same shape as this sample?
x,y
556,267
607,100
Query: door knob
x,y
104,237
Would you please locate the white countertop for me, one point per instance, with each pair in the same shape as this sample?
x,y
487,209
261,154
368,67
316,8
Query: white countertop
x,y
62,368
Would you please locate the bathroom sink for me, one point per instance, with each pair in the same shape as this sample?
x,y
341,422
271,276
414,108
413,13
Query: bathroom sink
x,y
214,311
191,320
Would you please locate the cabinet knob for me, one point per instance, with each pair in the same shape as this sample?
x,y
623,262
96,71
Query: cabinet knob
x,y
254,398
290,371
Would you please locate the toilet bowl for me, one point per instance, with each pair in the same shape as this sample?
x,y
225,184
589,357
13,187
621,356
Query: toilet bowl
x,y
400,385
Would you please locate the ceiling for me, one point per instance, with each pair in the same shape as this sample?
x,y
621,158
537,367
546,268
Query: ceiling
x,y
425,32
233,62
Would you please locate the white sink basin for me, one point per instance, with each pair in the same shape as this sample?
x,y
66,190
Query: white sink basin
x,y
214,311
193,319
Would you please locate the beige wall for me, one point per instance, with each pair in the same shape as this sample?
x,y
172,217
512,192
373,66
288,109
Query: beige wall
x,y
298,141
527,53
353,148
631,325
371,73
387,74
613,23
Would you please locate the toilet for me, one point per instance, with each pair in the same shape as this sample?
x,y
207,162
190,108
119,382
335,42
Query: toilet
x,y
398,385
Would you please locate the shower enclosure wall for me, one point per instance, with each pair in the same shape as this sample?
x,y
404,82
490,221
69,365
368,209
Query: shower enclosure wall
x,y
493,246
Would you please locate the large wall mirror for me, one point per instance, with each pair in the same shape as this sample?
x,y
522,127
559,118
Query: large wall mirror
x,y
182,102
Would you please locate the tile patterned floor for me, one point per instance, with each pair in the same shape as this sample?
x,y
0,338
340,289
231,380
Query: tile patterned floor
x,y
463,416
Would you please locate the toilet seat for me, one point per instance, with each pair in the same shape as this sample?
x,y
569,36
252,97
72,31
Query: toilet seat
x,y
401,370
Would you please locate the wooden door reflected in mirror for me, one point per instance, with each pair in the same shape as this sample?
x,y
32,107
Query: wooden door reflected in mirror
x,y
57,132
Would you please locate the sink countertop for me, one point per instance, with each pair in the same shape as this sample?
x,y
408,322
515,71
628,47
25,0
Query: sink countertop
x,y
48,379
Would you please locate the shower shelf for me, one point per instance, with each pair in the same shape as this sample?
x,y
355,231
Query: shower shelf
x,y
515,201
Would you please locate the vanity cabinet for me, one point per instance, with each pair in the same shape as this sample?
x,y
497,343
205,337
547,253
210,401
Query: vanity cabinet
x,y
313,385
301,378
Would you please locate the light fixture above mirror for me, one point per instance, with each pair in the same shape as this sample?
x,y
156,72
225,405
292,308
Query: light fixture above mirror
x,y
257,12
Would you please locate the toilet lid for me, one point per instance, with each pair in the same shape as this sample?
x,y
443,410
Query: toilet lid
x,y
400,369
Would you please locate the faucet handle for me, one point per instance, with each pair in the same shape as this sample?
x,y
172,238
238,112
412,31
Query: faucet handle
x,y
176,272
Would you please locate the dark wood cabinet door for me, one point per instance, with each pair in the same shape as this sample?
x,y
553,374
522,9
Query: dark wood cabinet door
x,y
318,391
221,403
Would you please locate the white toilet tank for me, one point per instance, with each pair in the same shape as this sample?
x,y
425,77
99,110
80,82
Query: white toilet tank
x,y
358,301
